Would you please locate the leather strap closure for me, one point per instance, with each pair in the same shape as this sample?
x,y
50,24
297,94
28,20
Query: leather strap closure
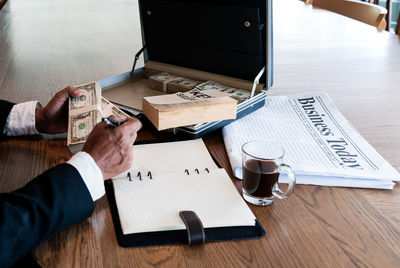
x,y
194,227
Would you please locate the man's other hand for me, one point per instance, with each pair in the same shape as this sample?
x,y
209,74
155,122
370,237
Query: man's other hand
x,y
53,118
112,148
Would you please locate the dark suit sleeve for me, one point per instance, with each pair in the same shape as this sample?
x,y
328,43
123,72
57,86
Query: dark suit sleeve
x,y
5,108
49,203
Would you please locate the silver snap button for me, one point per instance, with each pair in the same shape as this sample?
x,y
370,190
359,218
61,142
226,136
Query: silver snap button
x,y
148,12
247,24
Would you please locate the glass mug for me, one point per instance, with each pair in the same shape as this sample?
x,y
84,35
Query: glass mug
x,y
262,163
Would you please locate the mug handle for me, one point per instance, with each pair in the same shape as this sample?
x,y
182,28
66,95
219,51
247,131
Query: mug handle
x,y
292,182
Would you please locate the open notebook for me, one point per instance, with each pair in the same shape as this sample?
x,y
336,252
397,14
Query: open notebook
x,y
177,176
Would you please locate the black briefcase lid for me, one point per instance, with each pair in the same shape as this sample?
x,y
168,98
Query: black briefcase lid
x,y
226,37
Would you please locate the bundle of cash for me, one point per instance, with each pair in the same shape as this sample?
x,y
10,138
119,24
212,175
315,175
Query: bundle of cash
x,y
85,112
211,85
188,108
181,85
238,94
170,83
160,81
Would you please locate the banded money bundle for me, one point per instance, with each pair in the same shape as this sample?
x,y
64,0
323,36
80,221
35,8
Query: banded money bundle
x,y
238,94
85,112
170,83
188,108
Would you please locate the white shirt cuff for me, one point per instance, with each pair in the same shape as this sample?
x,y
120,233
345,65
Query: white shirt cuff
x,y
90,173
21,120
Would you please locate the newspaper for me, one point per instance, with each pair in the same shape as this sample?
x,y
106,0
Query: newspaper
x,y
322,147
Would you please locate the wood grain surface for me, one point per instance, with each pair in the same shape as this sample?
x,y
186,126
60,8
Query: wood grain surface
x,y
46,45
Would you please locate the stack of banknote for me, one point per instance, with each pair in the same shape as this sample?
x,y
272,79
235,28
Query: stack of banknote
x,y
181,85
238,94
85,112
188,108
170,83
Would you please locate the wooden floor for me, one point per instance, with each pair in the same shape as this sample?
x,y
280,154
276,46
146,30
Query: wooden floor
x,y
46,45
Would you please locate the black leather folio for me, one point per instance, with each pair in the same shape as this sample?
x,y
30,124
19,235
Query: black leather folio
x,y
177,236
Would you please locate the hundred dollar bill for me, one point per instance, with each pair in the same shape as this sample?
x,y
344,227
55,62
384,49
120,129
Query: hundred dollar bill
x,y
211,85
235,93
181,85
164,76
238,94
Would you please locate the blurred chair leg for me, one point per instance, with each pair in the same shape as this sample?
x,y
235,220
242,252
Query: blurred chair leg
x,y
389,13
2,2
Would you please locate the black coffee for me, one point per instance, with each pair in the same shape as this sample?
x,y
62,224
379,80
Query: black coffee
x,y
259,177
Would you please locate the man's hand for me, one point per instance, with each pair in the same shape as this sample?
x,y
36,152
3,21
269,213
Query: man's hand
x,y
53,118
111,148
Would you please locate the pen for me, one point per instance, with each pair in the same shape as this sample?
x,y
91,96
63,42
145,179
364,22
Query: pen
x,y
146,124
111,122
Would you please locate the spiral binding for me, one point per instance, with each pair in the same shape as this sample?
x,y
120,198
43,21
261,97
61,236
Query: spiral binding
x,y
196,170
150,176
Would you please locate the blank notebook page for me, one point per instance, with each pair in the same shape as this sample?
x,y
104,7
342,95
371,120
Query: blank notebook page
x,y
149,205
171,157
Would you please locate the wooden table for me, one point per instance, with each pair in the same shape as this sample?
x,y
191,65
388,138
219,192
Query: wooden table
x,y
45,45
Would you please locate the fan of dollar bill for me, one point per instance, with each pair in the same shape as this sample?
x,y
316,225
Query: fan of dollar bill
x,y
85,112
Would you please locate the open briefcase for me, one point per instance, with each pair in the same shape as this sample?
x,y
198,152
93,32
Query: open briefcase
x,y
226,41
